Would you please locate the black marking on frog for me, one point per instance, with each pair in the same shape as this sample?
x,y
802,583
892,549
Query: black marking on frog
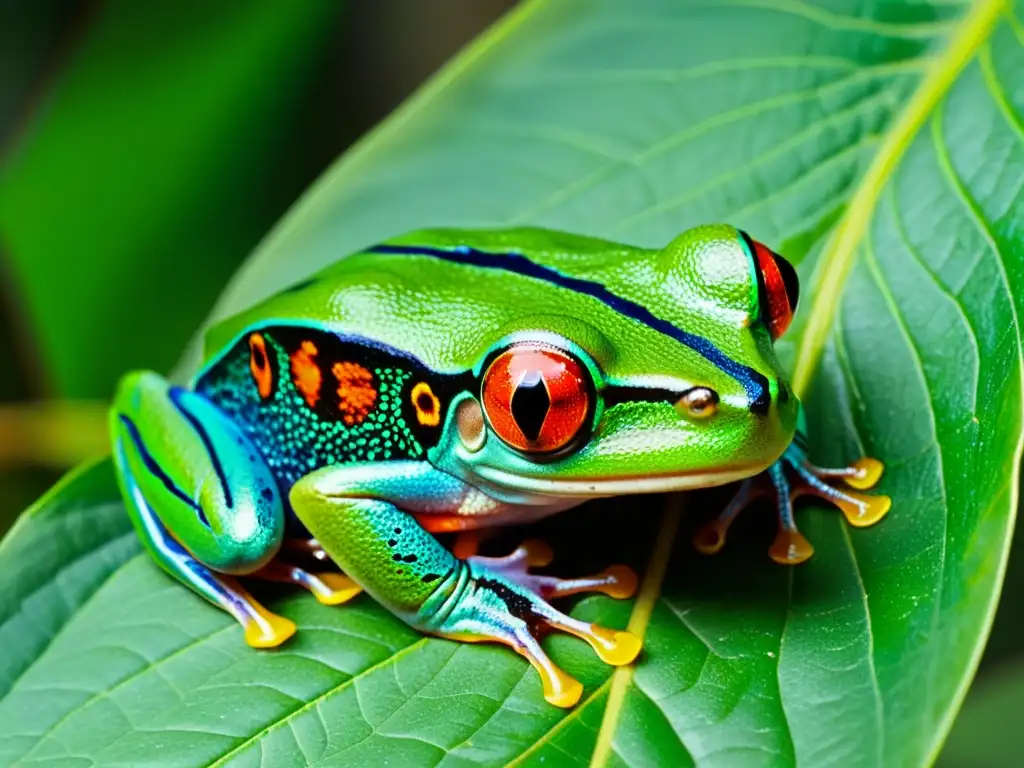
x,y
518,605
429,577
157,471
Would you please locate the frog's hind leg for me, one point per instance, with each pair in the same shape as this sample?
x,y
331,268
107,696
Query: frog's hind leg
x,y
201,498
366,521
262,628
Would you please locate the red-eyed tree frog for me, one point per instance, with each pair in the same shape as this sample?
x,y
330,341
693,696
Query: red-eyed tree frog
x,y
451,381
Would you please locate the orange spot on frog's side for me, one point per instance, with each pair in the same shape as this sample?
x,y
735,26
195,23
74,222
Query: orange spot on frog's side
x,y
306,373
356,393
259,365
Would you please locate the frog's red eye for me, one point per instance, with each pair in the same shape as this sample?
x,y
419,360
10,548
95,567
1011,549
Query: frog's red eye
x,y
779,289
536,398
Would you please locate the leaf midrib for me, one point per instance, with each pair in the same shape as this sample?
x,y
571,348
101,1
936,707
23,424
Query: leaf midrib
x,y
650,590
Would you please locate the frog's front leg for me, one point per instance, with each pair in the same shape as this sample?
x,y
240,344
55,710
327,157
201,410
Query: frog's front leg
x,y
200,496
361,515
793,476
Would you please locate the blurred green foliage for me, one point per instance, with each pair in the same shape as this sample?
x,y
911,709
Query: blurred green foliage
x,y
152,165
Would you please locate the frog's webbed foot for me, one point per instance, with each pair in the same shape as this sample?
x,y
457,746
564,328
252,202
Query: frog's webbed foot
x,y
528,617
618,581
498,601
789,478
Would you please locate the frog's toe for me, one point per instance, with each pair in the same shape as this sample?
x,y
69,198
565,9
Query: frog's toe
x,y
535,553
859,509
866,473
532,553
262,628
327,588
270,632
790,547
710,538
334,588
560,688
617,581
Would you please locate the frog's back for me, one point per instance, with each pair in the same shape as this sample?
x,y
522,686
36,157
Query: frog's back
x,y
412,292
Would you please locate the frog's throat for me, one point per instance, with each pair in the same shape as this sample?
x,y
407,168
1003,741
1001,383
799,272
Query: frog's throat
x,y
494,482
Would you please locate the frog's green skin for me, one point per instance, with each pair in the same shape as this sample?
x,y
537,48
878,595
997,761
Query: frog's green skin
x,y
349,407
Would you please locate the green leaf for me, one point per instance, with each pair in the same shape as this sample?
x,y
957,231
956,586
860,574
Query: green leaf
x,y
881,147
157,155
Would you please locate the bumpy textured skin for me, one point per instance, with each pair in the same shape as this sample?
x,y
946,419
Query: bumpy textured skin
x,y
348,407
295,436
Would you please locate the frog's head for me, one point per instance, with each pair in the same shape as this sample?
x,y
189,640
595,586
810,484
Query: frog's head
x,y
670,382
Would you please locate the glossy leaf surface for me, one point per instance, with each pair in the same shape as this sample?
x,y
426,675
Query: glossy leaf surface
x,y
882,153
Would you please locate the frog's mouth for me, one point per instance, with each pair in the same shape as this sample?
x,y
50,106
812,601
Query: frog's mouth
x,y
542,490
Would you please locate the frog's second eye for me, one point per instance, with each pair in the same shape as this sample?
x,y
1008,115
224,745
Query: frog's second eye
x,y
536,398
779,289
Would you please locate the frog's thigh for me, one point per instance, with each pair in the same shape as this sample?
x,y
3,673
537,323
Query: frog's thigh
x,y
199,494
359,513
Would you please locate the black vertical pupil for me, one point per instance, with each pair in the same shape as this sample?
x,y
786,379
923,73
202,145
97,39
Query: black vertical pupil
x,y
530,404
